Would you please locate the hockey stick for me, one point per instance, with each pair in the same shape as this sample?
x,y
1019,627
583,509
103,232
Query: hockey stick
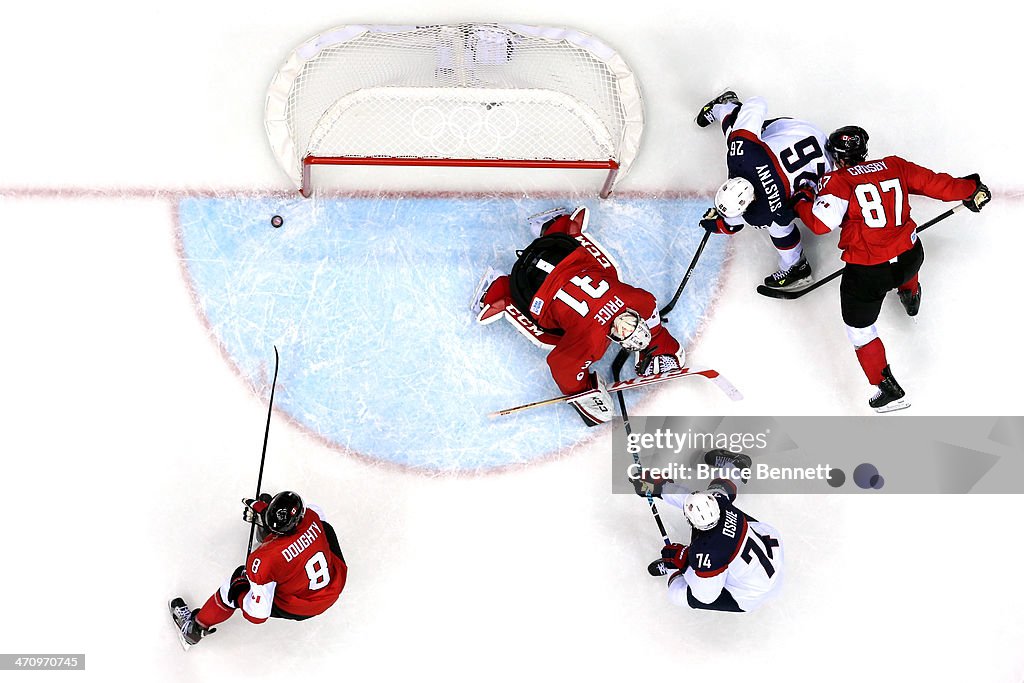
x,y
797,293
263,457
618,387
617,364
679,290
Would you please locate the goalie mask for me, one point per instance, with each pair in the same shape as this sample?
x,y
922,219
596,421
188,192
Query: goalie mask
x,y
630,331
734,197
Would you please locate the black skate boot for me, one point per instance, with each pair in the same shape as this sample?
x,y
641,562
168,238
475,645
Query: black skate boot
x,y
705,118
797,274
721,458
659,568
911,300
189,630
890,395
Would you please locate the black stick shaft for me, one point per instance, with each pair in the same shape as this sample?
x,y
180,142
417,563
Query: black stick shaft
x,y
797,293
263,456
689,271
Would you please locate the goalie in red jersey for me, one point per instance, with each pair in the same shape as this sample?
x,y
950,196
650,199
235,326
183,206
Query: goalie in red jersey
x,y
565,295
870,202
296,572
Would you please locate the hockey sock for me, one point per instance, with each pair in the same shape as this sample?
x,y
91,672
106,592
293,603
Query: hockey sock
x,y
789,248
872,360
910,285
214,611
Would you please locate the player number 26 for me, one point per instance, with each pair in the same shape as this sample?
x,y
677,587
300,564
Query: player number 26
x,y
585,285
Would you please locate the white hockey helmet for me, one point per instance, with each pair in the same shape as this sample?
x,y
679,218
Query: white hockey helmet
x,y
733,197
701,510
630,331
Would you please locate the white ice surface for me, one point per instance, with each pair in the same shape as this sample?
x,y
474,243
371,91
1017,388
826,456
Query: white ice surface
x,y
127,438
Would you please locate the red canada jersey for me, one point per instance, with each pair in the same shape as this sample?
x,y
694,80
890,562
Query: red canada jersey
x,y
298,573
581,296
870,203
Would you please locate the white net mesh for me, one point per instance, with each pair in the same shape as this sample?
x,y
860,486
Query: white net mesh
x,y
467,91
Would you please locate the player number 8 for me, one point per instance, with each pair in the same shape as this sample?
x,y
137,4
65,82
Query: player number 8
x,y
316,570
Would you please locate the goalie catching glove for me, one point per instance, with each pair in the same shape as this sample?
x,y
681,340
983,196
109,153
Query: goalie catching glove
x,y
650,364
595,406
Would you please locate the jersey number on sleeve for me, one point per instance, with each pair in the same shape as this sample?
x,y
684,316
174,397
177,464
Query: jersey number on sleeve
x,y
765,556
871,206
585,285
316,570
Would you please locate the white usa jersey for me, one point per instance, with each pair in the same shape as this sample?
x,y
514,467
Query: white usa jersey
x,y
777,156
739,555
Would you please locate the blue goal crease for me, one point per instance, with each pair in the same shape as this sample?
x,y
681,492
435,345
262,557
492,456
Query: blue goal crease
x,y
369,299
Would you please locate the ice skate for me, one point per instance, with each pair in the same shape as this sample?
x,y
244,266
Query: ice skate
x,y
911,300
890,395
705,117
787,278
188,629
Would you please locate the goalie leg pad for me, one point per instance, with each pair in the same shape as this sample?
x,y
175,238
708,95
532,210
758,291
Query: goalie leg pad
x,y
595,406
539,221
491,298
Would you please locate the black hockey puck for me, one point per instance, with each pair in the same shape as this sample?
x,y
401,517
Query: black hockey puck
x,y
277,221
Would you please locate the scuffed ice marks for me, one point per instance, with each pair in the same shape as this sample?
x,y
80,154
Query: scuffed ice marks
x,y
368,301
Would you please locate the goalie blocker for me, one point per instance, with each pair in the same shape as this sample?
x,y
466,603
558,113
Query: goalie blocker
x,y
564,294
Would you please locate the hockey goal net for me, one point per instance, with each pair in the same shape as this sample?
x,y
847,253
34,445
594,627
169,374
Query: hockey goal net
x,y
502,95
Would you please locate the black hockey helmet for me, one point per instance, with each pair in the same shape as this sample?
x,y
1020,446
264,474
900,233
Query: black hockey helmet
x,y
284,513
534,264
848,144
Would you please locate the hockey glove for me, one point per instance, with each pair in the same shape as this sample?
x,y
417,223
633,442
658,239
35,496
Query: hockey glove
x,y
714,222
804,194
649,482
655,365
981,195
239,585
674,555
254,507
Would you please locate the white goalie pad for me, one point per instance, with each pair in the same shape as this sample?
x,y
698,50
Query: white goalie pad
x,y
595,406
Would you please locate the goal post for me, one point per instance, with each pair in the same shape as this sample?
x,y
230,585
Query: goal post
x,y
463,95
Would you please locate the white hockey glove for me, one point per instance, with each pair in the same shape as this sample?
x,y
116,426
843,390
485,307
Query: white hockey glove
x,y
647,365
595,406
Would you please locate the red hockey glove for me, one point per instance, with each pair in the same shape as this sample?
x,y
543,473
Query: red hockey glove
x,y
715,222
804,194
674,555
239,585
981,195
254,507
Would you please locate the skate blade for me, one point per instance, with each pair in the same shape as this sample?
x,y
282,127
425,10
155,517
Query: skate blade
x,y
898,404
795,284
489,276
185,645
